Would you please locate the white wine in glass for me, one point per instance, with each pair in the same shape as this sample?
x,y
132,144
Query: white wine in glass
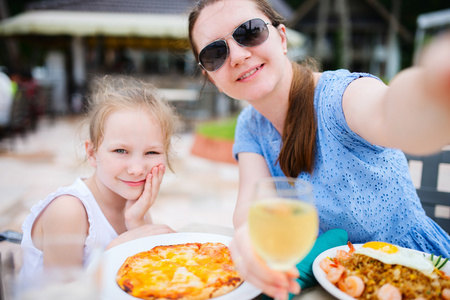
x,y
283,221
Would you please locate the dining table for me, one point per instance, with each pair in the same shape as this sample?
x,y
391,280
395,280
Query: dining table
x,y
312,293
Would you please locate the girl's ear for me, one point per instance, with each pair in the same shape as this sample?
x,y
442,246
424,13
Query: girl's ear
x,y
90,153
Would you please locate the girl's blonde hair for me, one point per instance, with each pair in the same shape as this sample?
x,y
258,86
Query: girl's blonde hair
x,y
118,92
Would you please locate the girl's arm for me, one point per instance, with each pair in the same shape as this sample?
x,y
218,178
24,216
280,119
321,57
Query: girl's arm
x,y
413,112
61,231
252,167
142,231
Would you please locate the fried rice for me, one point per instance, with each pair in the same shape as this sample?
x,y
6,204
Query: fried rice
x,y
411,283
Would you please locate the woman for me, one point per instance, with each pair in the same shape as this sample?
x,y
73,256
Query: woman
x,y
337,130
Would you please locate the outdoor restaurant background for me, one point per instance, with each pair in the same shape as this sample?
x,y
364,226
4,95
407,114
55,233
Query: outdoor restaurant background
x,y
42,145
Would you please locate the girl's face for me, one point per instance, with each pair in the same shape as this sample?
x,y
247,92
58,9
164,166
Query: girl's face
x,y
132,145
248,73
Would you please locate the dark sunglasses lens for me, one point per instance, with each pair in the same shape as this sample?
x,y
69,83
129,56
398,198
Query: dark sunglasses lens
x,y
213,55
251,33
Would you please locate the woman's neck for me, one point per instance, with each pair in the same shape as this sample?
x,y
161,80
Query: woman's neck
x,y
275,105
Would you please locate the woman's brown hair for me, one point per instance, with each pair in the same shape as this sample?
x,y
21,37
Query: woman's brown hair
x,y
299,133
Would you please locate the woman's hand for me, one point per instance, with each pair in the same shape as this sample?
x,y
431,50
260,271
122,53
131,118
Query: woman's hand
x,y
142,231
135,210
435,59
276,284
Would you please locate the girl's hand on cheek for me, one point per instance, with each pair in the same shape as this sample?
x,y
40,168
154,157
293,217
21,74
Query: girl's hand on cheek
x,y
135,210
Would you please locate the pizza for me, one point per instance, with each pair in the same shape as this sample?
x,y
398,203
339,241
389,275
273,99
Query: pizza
x,y
189,271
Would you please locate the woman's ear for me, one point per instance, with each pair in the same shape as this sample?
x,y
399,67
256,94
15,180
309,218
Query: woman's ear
x,y
90,153
282,30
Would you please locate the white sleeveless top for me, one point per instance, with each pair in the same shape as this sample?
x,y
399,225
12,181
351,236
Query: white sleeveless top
x,y
101,233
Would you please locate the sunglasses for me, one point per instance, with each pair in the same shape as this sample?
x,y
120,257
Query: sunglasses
x,y
251,33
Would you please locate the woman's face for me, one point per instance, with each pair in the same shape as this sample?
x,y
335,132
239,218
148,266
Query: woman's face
x,y
249,73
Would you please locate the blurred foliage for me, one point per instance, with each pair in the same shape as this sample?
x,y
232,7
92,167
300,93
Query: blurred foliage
x,y
220,129
409,11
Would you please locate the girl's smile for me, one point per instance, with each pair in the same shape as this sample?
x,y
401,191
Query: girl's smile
x,y
134,183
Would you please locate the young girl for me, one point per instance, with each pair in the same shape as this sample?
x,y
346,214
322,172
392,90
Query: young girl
x,y
338,130
129,141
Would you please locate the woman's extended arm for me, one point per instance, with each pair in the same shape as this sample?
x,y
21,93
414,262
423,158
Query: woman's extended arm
x,y
413,112
252,167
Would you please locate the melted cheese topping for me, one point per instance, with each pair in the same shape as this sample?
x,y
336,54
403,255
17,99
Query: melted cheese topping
x,y
177,270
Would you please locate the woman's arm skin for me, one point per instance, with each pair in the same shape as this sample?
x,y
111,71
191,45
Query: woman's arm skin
x,y
252,167
413,112
274,283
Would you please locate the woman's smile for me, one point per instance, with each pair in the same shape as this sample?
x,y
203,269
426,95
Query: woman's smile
x,y
250,73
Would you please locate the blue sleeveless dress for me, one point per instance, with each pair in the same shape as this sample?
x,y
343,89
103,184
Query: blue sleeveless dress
x,y
361,188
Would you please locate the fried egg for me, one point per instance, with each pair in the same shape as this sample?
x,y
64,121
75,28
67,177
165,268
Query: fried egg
x,y
396,255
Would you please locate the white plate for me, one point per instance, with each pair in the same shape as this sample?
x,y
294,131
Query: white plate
x,y
331,288
113,259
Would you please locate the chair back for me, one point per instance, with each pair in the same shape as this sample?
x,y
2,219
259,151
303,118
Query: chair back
x,y
436,202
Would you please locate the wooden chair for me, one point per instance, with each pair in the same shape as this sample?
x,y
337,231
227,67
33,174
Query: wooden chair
x,y
436,203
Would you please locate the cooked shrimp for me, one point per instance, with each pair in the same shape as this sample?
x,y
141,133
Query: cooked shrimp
x,y
344,255
389,292
352,285
445,294
325,264
335,273
352,248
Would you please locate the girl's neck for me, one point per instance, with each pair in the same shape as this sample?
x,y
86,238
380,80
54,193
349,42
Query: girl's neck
x,y
104,197
111,204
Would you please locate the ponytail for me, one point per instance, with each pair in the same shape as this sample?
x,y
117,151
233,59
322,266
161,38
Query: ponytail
x,y
299,133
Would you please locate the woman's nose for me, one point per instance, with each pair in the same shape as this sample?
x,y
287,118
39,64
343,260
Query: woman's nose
x,y
237,53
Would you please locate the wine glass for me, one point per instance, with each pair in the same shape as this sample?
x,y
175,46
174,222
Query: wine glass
x,y
62,282
283,221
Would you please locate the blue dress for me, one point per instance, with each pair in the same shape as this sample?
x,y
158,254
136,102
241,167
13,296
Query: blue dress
x,y
361,188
